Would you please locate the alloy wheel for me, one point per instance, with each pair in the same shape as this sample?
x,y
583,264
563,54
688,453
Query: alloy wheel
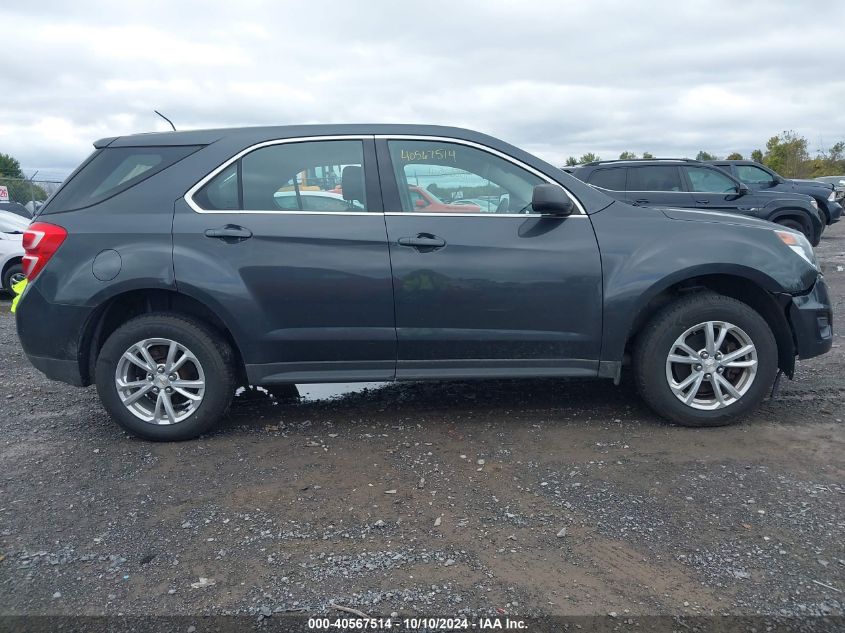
x,y
160,381
16,278
711,365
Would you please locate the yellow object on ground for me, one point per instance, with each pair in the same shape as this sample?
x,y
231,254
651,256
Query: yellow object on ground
x,y
18,289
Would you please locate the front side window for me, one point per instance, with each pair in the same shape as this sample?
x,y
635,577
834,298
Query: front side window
x,y
752,175
612,178
307,176
709,180
442,177
654,178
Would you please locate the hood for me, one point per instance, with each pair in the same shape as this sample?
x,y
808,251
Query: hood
x,y
796,196
803,182
695,215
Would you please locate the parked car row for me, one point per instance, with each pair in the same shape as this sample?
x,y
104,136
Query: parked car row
x,y
12,227
685,183
168,308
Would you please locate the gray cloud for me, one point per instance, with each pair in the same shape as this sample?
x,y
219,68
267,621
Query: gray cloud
x,y
556,78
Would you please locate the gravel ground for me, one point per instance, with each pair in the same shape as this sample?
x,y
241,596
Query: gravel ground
x,y
526,498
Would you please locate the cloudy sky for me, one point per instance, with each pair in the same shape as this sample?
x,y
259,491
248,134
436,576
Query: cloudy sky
x,y
557,78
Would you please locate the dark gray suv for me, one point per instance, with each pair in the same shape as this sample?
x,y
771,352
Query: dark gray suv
x,y
686,183
172,268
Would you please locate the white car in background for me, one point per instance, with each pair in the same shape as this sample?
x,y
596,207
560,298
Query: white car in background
x,y
12,227
315,201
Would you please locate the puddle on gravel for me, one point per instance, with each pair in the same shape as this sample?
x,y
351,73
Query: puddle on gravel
x,y
330,391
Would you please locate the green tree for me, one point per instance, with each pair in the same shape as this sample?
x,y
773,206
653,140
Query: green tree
x,y
830,162
20,190
589,157
734,156
757,156
787,154
627,156
648,155
571,161
10,167
702,155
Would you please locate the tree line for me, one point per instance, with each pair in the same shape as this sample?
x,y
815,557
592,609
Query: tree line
x,y
20,189
786,153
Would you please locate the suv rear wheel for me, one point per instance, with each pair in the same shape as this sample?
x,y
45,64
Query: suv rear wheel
x,y
165,377
705,360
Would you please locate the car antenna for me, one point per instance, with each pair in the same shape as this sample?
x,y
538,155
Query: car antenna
x,y
166,119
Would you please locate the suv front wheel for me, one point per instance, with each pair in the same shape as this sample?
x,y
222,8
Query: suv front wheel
x,y
165,377
705,360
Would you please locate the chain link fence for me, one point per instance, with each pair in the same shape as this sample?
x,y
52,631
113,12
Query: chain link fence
x,y
30,193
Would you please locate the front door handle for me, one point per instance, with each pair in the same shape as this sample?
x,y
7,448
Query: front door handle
x,y
703,201
230,233
423,242
641,201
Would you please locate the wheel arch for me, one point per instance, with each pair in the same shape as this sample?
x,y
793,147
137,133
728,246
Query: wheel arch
x,y
755,290
800,215
122,306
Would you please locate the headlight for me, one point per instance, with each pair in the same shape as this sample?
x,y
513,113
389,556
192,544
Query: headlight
x,y
832,196
814,203
799,245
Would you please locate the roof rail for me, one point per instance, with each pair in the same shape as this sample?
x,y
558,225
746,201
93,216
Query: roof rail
x,y
635,160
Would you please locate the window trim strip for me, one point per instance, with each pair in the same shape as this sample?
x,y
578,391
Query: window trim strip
x,y
188,197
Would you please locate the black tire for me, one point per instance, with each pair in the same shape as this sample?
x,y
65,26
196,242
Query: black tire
x,y
210,349
796,225
11,271
658,336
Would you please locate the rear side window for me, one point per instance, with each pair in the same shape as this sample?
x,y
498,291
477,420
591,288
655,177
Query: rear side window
x,y
302,176
613,178
654,178
113,170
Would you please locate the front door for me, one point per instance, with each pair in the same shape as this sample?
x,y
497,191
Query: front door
x,y
715,191
288,245
483,286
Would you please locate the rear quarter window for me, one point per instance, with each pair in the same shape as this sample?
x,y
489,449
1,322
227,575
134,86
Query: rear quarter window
x,y
113,170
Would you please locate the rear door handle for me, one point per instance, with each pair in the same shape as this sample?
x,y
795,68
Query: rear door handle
x,y
230,233
423,242
641,201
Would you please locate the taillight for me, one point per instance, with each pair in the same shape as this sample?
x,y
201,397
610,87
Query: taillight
x,y
40,241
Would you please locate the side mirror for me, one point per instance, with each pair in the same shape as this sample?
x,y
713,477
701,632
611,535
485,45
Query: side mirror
x,y
420,203
551,200
743,189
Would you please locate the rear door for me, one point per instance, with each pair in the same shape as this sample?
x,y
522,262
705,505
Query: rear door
x,y
287,244
657,186
611,180
504,292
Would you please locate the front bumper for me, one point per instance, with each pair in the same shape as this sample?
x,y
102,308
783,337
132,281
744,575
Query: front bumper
x,y
833,211
811,317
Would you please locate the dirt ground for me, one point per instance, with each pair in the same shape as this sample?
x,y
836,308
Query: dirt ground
x,y
537,497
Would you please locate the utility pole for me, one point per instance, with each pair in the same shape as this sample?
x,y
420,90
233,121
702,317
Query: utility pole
x,y
32,190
